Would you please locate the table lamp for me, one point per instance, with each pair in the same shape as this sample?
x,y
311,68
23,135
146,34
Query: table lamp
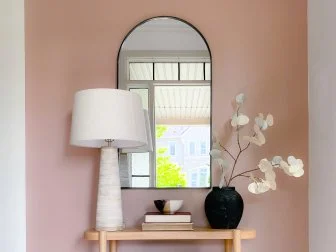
x,y
108,119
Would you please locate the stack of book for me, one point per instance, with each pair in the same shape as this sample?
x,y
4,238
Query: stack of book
x,y
155,221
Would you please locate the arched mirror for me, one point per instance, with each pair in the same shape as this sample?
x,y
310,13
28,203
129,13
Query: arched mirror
x,y
168,63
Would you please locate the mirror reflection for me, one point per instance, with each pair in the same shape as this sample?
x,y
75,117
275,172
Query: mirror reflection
x,y
167,62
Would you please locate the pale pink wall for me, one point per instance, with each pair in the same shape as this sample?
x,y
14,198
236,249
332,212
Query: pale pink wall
x,y
258,47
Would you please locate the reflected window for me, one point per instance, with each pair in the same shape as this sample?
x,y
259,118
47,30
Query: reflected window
x,y
192,148
170,71
172,148
207,71
182,105
203,177
140,163
178,99
138,181
166,71
203,148
194,179
200,176
192,71
141,71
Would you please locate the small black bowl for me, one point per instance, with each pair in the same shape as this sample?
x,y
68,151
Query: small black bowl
x,y
160,204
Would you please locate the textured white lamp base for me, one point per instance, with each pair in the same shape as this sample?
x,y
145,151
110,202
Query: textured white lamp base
x,y
109,207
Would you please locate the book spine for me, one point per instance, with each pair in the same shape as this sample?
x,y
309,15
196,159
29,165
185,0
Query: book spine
x,y
167,228
184,219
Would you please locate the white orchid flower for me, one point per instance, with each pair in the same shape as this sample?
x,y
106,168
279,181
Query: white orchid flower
x,y
221,182
299,173
253,188
270,175
214,136
239,120
216,146
258,139
267,167
269,120
240,98
216,154
272,185
270,178
215,142
294,167
285,167
276,161
259,120
259,187
264,123
224,165
226,138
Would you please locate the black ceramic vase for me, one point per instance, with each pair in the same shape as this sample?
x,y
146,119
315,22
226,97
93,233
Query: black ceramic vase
x,y
224,208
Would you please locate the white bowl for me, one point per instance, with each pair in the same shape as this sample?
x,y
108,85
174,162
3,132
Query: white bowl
x,y
168,206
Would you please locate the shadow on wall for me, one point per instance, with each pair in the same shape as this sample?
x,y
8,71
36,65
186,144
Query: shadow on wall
x,y
79,155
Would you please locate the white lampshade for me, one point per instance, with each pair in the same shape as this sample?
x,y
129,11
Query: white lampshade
x,y
100,114
147,147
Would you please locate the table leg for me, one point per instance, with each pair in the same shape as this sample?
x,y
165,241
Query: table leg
x,y
236,241
228,245
102,241
113,246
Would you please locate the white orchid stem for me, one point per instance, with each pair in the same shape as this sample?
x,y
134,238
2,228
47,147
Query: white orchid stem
x,y
256,169
236,159
227,151
248,145
238,140
245,176
242,173
240,151
234,164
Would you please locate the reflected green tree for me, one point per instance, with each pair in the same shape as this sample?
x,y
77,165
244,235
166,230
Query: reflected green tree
x,y
168,174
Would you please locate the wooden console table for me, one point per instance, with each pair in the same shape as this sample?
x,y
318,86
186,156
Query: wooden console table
x,y
232,237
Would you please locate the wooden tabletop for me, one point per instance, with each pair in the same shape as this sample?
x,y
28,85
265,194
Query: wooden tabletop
x,y
197,234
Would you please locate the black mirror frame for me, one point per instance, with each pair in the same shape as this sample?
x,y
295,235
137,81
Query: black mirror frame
x,y
211,87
